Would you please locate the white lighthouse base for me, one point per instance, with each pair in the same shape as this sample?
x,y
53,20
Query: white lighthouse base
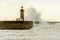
x,y
19,19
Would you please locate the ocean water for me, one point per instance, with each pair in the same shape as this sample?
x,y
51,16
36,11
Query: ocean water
x,y
38,32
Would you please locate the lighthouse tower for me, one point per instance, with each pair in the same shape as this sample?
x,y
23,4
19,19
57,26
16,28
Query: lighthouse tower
x,y
22,13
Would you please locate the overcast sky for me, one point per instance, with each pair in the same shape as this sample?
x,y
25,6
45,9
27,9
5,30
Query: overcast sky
x,y
50,9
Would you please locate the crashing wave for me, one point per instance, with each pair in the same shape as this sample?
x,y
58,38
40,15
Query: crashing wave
x,y
32,15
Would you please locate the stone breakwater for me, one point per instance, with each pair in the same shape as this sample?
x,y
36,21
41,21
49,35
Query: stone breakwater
x,y
16,24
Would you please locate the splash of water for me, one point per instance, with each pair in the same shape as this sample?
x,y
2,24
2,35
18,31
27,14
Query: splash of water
x,y
33,15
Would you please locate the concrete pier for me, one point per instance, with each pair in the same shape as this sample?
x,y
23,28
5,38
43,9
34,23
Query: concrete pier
x,y
16,25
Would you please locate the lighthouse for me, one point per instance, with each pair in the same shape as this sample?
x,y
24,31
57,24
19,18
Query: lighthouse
x,y
22,13
18,24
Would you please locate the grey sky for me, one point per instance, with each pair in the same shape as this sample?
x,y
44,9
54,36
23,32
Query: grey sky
x,y
50,8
